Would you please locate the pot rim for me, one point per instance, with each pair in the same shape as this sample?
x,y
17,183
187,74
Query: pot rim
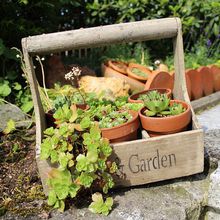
x,y
167,118
116,68
168,92
143,69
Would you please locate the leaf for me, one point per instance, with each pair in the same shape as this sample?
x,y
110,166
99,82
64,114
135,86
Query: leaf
x,y
73,189
85,123
85,179
105,147
64,159
92,156
61,206
99,206
27,106
5,89
95,132
54,156
17,86
61,191
52,198
81,163
10,127
49,131
45,149
70,163
74,113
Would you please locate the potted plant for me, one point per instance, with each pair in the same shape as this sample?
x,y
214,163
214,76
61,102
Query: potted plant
x,y
138,72
160,115
140,96
116,124
80,157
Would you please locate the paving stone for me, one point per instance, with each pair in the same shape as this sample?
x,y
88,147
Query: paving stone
x,y
212,216
214,189
8,111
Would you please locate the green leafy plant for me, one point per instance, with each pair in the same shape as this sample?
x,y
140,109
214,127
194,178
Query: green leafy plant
x,y
82,155
139,72
109,115
158,105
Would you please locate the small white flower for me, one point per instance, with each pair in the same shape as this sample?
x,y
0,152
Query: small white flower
x,y
18,56
75,72
157,62
69,76
43,58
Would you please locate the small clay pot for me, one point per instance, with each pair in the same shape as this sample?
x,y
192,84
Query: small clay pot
x,y
160,79
216,77
142,68
119,66
156,126
123,132
134,98
196,84
109,72
207,80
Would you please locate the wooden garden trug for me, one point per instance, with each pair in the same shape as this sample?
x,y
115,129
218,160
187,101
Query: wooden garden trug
x,y
141,161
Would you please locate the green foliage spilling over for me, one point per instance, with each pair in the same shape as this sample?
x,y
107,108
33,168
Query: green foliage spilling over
x,y
82,155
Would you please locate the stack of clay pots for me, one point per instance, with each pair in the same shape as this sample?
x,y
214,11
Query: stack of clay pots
x,y
202,81
154,79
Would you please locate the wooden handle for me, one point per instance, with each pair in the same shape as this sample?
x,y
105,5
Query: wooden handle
x,y
102,35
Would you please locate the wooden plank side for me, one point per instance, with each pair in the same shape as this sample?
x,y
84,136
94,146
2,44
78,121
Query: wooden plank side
x,y
180,90
102,35
203,102
159,158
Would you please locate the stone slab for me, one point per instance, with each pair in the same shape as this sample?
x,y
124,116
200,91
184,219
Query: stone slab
x,y
9,111
214,189
212,216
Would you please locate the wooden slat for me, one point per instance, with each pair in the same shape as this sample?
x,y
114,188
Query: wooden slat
x,y
103,35
203,102
159,158
180,89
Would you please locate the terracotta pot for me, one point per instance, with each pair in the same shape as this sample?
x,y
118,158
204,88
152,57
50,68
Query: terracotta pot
x,y
207,80
216,77
188,86
142,68
156,126
123,132
196,83
160,80
134,98
118,66
134,84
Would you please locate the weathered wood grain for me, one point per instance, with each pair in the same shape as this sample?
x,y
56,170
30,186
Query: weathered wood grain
x,y
159,158
205,101
180,89
102,35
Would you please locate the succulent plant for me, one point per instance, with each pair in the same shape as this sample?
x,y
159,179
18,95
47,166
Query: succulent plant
x,y
176,109
155,103
158,104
